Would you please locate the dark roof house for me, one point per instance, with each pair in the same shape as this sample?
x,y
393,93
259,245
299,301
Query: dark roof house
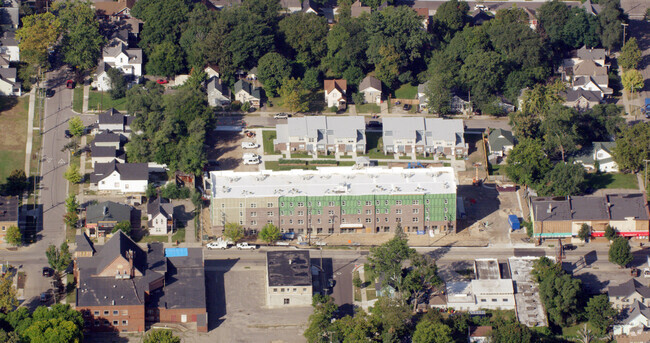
x,y
127,171
628,288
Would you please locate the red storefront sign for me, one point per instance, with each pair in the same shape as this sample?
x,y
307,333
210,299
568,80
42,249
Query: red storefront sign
x,y
623,234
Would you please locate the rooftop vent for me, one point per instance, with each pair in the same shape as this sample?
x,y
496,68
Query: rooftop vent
x,y
550,209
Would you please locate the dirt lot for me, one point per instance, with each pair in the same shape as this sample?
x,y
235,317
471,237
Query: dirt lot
x,y
225,147
476,154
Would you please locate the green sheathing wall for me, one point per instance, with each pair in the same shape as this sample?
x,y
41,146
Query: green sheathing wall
x,y
354,203
289,204
436,209
314,206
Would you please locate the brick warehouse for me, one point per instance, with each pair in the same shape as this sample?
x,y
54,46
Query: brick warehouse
x,y
122,287
336,200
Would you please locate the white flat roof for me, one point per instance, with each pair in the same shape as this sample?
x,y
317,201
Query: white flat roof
x,y
333,181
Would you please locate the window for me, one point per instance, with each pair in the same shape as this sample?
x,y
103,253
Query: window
x,y
386,211
378,220
125,322
494,300
342,212
282,204
398,211
358,220
319,230
330,212
319,203
319,212
290,221
318,221
291,204
386,219
368,220
368,203
309,204
505,300
253,222
427,201
343,221
385,202
295,290
415,219
241,214
97,323
330,230
270,221
282,221
281,290
241,204
331,203
398,202
269,214
358,211
300,221
301,204
241,222
106,313
342,203
253,205
368,212
304,289
96,313
223,205
115,312
116,323
398,220
416,202
253,214
301,231
125,312
483,300
377,202
269,204
416,210
378,211
330,221
301,213
286,301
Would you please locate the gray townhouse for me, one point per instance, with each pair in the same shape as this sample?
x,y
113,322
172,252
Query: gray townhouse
x,y
424,135
321,134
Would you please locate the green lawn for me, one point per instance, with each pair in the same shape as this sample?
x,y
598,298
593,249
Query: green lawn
x,y
273,165
405,157
78,99
13,134
267,137
101,101
368,108
406,91
496,169
611,180
300,155
179,235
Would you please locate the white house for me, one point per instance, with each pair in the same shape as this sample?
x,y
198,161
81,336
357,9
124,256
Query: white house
x,y
128,60
336,93
635,318
422,96
460,105
500,142
121,177
8,84
600,152
102,81
218,93
371,89
160,216
246,92
211,71
9,46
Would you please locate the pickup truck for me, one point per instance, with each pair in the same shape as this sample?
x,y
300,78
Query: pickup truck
x,y
245,246
217,245
249,145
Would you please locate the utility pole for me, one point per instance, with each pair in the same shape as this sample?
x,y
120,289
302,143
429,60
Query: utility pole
x,y
624,26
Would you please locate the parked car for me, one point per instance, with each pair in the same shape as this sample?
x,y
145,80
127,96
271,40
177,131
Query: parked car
x,y
251,160
217,245
162,81
47,271
281,116
69,84
68,134
570,247
245,246
406,107
251,155
49,93
45,297
249,145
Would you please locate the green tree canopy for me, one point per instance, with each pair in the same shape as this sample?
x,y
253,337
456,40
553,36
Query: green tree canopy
x,y
619,252
76,126
270,233
13,236
272,69
386,260
559,292
294,95
165,59
632,147
611,30
305,34
527,164
450,17
38,33
585,232
631,55
347,43
511,332
161,336
600,313
432,332
58,259
233,232
55,330
8,295
118,83
72,174
632,80
124,226
82,42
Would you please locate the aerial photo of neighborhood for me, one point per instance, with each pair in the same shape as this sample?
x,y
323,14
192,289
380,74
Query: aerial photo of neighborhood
x,y
324,171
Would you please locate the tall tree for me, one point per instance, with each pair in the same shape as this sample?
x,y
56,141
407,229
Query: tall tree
x,y
233,232
193,39
58,259
428,331
619,252
581,29
347,43
118,83
632,80
560,130
563,180
82,42
38,34
511,332
294,95
8,300
76,126
305,34
386,260
527,164
558,291
553,15
610,17
600,313
270,233
165,59
319,329
54,330
438,95
632,147
72,174
13,236
631,55
164,22
450,17
272,69
161,336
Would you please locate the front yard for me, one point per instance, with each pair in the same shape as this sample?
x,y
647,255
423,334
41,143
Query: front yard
x,y
368,108
101,101
13,124
78,99
267,138
612,181
406,91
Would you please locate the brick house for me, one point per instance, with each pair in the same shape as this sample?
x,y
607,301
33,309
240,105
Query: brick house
x,y
122,287
8,214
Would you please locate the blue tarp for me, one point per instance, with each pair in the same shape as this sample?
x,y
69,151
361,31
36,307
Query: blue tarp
x,y
514,222
175,252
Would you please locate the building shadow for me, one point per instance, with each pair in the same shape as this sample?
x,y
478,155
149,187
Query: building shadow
x,y
479,203
215,290
33,224
591,284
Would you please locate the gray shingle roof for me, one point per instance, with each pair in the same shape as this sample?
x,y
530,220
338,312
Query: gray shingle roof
x,y
573,95
637,309
499,138
587,154
8,39
105,151
84,243
117,246
423,130
160,205
111,116
590,54
609,207
628,288
325,130
370,82
127,171
107,137
8,208
108,211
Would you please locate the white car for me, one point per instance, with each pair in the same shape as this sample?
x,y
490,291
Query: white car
x,y
249,145
251,160
481,7
217,245
250,155
281,116
245,246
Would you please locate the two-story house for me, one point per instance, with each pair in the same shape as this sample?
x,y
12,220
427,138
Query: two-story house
x,y
422,96
8,83
581,99
336,93
114,121
160,216
406,135
371,89
9,46
321,134
127,60
587,70
114,10
624,295
635,318
599,154
101,218
120,177
108,139
218,93
247,92
106,154
500,142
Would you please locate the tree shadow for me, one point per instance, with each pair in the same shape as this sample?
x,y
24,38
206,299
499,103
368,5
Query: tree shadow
x,y
7,102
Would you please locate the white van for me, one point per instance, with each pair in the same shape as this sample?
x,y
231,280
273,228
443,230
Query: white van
x,y
249,145
251,160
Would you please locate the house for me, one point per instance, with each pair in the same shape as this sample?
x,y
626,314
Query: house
x,y
246,92
500,142
590,54
8,214
590,7
321,134
252,74
219,4
600,152
310,6
481,17
133,26
480,294
407,135
288,279
160,216
460,105
114,121
127,60
114,10
120,36
479,334
558,217
424,14
211,71
122,287
85,247
121,177
9,46
8,84
422,96
624,295
635,318
102,81
357,9
106,154
291,6
103,217
581,99
587,70
336,93
9,15
108,139
371,89
218,93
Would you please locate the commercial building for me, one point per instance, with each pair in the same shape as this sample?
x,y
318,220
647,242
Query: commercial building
x,y
8,214
288,279
556,217
336,200
406,135
124,288
321,134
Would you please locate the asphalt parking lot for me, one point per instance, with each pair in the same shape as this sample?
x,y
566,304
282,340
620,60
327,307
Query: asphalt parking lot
x,y
225,148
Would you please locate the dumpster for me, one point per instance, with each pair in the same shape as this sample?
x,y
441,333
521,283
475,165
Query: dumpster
x,y
514,222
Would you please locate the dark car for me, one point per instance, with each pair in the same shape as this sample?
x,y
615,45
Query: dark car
x,y
570,247
68,134
374,124
47,271
406,107
45,297
69,84
49,93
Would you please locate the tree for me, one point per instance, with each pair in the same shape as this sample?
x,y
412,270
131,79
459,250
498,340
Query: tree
x,y
563,180
428,331
54,330
632,147
82,42
438,95
58,259
511,332
311,80
16,183
631,55
246,106
233,232
164,22
386,260
560,131
600,313
71,204
609,17
527,164
305,34
558,291
272,69
358,98
585,232
76,126
161,336
118,83
553,15
165,59
356,281
319,328
8,300
270,233
619,252
72,174
294,96
13,236
124,226
71,219
38,34
610,233
632,80
450,17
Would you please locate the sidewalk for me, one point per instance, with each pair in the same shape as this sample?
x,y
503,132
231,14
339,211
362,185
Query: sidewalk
x,y
30,129
82,170
84,106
